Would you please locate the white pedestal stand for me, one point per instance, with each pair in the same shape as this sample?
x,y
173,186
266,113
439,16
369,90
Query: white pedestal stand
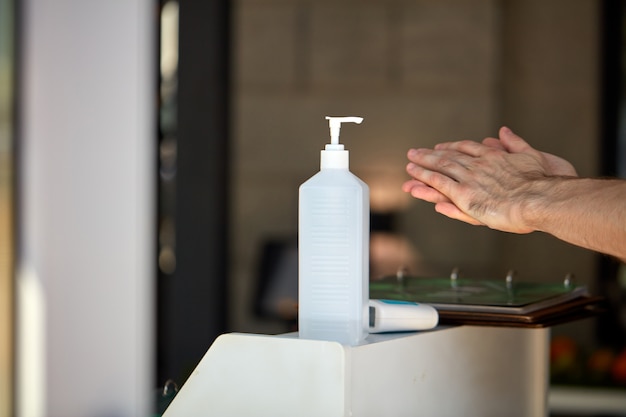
x,y
448,372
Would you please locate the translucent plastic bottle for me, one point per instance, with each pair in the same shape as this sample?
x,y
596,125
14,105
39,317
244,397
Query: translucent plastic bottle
x,y
333,248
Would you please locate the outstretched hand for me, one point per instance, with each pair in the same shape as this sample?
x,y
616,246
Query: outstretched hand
x,y
482,183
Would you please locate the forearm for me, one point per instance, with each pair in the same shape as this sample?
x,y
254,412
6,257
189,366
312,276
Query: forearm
x,y
586,212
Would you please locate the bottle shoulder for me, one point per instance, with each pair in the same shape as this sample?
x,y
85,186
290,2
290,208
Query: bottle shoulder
x,y
334,178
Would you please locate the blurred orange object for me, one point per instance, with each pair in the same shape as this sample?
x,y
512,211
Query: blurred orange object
x,y
601,360
563,353
618,369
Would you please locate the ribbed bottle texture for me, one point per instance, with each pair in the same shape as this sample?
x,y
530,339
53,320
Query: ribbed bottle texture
x,y
334,257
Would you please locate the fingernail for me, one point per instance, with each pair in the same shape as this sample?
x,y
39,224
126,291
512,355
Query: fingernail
x,y
412,152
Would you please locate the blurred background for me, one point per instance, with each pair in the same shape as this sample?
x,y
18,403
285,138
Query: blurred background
x,y
420,72
243,88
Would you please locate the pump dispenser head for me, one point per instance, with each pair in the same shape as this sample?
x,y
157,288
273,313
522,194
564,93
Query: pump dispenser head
x,y
334,156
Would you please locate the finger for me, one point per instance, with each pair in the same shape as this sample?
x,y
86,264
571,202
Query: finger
x,y
452,164
468,147
422,191
417,153
443,183
453,212
409,184
512,142
493,143
442,145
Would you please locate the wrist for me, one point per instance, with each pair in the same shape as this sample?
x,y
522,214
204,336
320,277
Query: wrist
x,y
540,199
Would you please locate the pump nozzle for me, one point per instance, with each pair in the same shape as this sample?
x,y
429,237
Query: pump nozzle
x,y
334,123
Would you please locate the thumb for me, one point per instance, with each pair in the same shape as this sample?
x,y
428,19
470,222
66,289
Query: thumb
x,y
512,142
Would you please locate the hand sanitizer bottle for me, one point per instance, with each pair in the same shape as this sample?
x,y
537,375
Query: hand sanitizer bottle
x,y
333,248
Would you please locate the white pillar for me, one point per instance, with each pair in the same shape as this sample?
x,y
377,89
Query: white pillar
x,y
87,148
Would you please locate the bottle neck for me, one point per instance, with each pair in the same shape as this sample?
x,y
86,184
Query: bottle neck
x,y
335,160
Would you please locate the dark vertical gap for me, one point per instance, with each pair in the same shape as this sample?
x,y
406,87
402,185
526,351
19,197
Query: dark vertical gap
x,y
609,329
162,212
192,299
159,275
611,83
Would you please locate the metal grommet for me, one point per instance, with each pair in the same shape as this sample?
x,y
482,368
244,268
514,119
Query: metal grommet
x,y
510,277
454,277
401,275
170,388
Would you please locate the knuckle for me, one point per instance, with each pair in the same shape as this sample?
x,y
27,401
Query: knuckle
x,y
444,163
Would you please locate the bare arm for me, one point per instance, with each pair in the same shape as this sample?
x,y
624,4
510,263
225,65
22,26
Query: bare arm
x,y
507,185
586,212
